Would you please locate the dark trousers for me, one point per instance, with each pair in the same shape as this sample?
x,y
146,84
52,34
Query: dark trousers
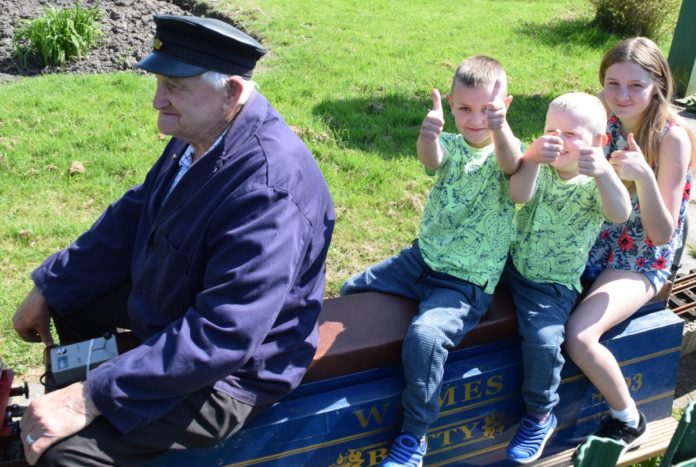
x,y
202,420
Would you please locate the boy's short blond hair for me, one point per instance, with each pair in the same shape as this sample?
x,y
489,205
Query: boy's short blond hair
x,y
586,107
479,71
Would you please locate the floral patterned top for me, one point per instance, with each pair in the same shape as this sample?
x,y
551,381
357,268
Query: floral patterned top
x,y
626,246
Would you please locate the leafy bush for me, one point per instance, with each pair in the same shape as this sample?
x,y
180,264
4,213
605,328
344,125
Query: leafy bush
x,y
58,35
689,102
635,17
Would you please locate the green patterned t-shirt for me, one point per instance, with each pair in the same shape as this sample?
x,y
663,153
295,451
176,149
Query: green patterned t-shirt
x,y
467,223
556,228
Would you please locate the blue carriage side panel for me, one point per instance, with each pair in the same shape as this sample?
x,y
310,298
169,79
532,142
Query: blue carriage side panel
x,y
351,420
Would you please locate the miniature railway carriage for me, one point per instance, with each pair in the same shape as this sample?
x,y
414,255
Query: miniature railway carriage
x,y
347,411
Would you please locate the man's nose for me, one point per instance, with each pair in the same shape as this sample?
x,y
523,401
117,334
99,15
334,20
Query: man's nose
x,y
160,101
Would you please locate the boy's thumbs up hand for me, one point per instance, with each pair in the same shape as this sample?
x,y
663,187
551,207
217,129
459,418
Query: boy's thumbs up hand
x,y
546,148
495,91
437,101
496,109
434,121
592,161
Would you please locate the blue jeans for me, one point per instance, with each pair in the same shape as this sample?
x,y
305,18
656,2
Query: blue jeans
x,y
658,278
542,312
449,308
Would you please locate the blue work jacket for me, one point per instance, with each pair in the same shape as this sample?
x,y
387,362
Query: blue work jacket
x,y
227,272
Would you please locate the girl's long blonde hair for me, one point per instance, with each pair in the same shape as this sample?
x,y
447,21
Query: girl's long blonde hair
x,y
647,55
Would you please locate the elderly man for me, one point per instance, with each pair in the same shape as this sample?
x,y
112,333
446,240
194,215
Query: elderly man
x,y
220,253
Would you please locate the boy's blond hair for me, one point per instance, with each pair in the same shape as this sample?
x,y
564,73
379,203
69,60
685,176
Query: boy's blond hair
x,y
479,71
585,107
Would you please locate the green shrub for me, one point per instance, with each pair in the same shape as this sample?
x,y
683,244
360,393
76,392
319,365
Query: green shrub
x,y
58,35
647,18
689,103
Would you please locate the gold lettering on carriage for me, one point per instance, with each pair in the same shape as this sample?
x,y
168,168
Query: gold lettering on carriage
x,y
634,382
453,395
375,413
471,391
472,430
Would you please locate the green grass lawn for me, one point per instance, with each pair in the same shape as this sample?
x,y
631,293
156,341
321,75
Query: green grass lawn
x,y
352,78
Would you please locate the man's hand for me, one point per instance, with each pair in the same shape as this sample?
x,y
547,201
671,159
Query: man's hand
x,y
545,149
496,110
32,320
630,163
434,121
54,417
592,161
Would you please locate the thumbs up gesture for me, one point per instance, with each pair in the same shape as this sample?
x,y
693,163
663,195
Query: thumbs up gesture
x,y
630,163
434,121
546,148
592,161
496,109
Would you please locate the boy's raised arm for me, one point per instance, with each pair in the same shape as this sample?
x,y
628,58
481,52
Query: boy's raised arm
x,y
430,152
543,150
523,182
616,203
507,149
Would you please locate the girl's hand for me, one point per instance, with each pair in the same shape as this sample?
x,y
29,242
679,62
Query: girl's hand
x,y
630,164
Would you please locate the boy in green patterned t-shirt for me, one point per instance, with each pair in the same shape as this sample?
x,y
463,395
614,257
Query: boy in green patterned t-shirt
x,y
568,187
464,239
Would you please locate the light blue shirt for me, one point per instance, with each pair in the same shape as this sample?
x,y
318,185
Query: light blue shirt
x,y
186,161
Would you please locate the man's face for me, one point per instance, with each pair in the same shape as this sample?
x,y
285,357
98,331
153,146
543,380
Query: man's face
x,y
190,109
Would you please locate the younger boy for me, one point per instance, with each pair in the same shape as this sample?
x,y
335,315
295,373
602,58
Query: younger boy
x,y
568,187
465,234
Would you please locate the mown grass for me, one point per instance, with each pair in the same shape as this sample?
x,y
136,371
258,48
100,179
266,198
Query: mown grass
x,y
105,124
356,79
353,78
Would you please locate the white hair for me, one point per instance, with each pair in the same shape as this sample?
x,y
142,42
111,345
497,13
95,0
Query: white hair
x,y
585,106
218,81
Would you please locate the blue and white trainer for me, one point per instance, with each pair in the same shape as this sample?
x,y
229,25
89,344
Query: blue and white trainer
x,y
530,439
406,451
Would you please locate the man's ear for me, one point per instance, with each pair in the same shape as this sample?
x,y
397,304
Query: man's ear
x,y
448,98
508,101
234,89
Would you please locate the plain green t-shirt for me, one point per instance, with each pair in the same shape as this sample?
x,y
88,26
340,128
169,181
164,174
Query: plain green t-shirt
x,y
556,228
467,223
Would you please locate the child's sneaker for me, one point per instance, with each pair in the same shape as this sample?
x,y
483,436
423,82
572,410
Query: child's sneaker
x,y
619,431
530,439
407,451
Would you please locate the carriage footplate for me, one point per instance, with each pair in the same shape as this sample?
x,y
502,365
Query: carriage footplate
x,y
682,300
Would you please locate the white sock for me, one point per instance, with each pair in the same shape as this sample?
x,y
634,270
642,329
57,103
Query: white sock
x,y
542,418
629,415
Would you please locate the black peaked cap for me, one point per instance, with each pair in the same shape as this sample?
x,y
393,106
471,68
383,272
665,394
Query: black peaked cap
x,y
189,46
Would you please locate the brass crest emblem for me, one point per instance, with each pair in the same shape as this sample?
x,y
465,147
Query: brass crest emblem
x,y
353,458
495,424
156,43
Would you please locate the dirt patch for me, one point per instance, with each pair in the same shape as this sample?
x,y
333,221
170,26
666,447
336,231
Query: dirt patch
x,y
128,28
